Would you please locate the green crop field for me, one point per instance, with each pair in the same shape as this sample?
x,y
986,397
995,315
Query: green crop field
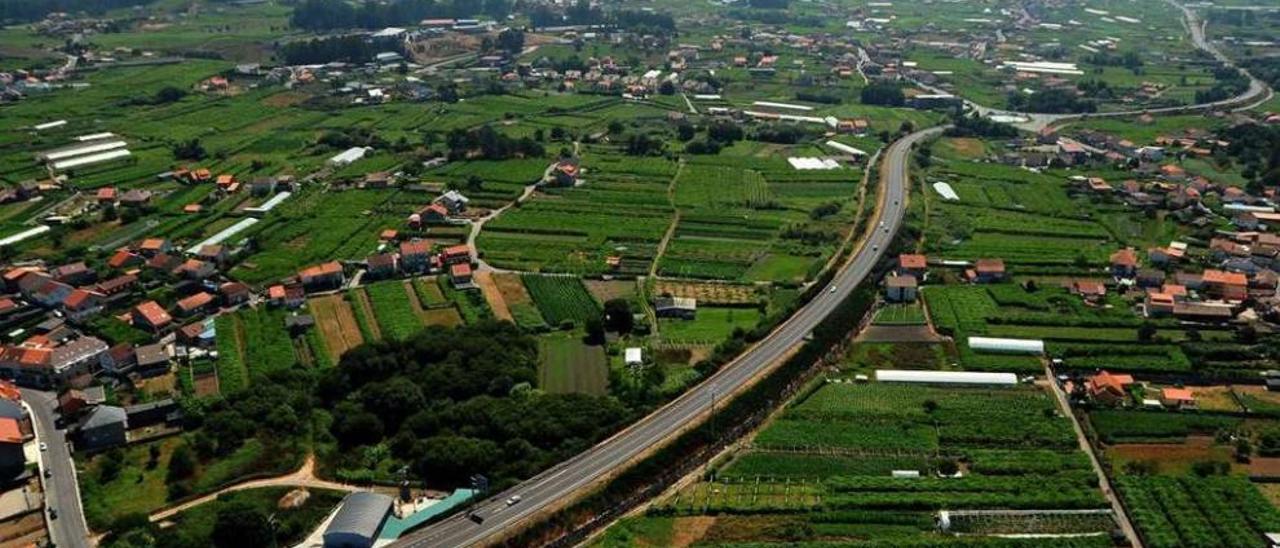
x,y
566,365
561,299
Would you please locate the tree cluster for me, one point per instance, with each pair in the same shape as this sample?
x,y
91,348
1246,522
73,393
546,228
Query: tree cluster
x,y
456,402
489,144
22,11
1053,101
348,49
883,93
339,14
978,126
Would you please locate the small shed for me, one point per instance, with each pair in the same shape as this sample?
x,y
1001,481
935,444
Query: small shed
x,y
634,356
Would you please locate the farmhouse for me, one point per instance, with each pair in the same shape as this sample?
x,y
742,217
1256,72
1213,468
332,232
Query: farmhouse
x,y
460,275
914,265
322,277
1124,263
900,289
381,265
1108,388
453,201
415,256
1177,398
988,271
150,315
456,254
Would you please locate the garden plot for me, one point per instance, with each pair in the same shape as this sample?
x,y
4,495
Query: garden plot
x,y
336,323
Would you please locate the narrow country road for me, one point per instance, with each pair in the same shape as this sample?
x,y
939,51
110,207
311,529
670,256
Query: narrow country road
x,y
558,485
61,490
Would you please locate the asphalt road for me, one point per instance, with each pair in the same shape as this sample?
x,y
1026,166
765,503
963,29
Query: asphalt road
x,y
61,492
557,485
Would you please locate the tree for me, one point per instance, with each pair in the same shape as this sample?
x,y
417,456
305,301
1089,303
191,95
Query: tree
x,y
617,316
883,93
111,465
153,457
189,150
685,131
1146,332
667,88
595,331
948,467
239,524
182,464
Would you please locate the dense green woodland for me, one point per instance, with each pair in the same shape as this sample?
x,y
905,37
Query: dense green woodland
x,y
32,10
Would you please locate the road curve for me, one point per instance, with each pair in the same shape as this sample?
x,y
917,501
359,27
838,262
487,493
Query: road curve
x,y
557,485
61,491
1257,92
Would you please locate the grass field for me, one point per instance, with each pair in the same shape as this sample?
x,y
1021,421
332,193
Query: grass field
x,y
710,326
566,365
336,323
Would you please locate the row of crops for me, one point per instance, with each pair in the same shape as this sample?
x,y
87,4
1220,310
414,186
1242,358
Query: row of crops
x,y
1191,511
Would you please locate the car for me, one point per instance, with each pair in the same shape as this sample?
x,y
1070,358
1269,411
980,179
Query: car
x,y
515,499
48,472
44,446
475,517
875,248
53,514
895,202
832,290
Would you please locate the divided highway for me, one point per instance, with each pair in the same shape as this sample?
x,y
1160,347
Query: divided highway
x,y
557,485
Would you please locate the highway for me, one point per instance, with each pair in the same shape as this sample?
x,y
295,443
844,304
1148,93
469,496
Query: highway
x,y
61,492
559,484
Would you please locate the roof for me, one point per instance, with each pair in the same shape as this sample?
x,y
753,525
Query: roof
x,y
1177,394
460,249
325,269
152,354
1109,382
416,247
276,292
361,514
945,377
195,301
1224,278
912,262
1125,257
103,415
1006,345
989,265
10,431
901,281
153,313
634,355
460,269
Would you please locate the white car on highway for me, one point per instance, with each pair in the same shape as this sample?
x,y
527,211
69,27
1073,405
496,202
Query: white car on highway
x,y
513,500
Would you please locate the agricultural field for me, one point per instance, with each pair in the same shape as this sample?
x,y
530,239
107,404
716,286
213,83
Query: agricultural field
x,y
900,314
567,365
561,299
825,465
712,324
1197,511
336,323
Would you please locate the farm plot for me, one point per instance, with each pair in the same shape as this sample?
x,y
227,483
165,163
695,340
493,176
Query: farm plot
x,y
391,307
566,365
710,326
523,311
337,324
709,293
1192,511
561,299
268,346
900,314
232,374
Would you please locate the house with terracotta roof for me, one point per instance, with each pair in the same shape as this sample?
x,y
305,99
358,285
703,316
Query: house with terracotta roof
x,y
1164,256
150,315
912,264
276,295
432,214
566,173
12,458
1107,388
322,277
1124,263
456,254
415,256
196,269
217,254
150,247
460,275
1232,286
1177,398
116,285
988,270
118,359
136,198
77,273
107,195
82,304
123,258
195,304
294,296
388,235
44,364
1092,291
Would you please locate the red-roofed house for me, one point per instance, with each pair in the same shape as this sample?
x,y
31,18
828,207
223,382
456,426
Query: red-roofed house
x,y
323,276
123,258
988,270
912,264
195,304
81,304
276,294
152,316
107,195
415,255
1107,388
460,275
456,254
1124,263
1232,286
1177,398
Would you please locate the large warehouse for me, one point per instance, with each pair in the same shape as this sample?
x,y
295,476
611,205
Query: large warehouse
x,y
358,520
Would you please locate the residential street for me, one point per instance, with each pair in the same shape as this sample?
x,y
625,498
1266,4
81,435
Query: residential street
x,y
62,493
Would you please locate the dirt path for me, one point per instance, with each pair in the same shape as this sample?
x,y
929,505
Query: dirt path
x,y
302,477
1103,482
675,221
484,279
